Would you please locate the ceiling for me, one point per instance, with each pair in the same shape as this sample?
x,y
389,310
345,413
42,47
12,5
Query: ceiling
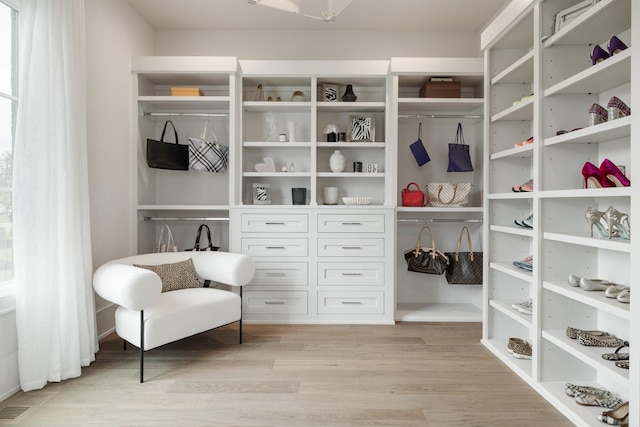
x,y
360,15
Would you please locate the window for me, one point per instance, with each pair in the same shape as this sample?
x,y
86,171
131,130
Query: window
x,y
8,111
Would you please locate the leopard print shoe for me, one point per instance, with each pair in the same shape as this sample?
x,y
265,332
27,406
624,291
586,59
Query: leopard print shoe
x,y
590,340
572,390
573,332
592,400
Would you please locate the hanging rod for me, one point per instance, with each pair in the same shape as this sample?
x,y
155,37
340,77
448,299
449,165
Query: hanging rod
x,y
191,218
189,114
436,220
440,116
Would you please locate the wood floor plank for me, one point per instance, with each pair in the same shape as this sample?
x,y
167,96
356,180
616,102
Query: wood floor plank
x,y
410,374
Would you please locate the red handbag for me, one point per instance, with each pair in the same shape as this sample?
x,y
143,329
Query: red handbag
x,y
413,197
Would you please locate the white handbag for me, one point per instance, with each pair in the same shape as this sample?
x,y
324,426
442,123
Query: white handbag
x,y
449,194
169,245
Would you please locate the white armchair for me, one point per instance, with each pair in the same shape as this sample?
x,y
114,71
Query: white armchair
x,y
149,318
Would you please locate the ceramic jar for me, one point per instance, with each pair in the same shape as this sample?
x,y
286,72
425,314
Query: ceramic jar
x,y
336,162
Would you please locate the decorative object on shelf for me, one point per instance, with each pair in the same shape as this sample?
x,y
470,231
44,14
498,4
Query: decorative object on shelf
x,y
428,260
441,87
459,157
349,96
166,155
448,194
342,136
361,128
298,96
332,132
465,268
615,45
291,129
414,198
282,137
261,194
209,246
186,91
267,166
372,168
284,167
337,162
299,195
259,94
566,16
617,109
418,150
292,167
205,155
162,245
330,92
358,200
330,195
357,166
271,121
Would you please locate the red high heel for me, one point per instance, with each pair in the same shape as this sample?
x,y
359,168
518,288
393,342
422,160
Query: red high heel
x,y
612,176
592,176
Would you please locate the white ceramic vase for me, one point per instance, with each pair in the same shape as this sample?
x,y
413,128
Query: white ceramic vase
x,y
336,162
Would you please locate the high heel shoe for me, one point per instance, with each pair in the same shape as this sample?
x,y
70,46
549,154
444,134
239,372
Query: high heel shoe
x,y
616,415
614,220
596,218
592,176
615,46
617,109
598,54
597,114
612,174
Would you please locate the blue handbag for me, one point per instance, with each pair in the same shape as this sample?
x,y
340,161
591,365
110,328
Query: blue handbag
x,y
459,157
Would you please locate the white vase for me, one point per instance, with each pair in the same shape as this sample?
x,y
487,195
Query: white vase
x,y
336,162
291,128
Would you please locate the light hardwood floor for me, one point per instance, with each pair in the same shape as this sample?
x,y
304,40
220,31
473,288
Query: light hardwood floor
x,y
410,374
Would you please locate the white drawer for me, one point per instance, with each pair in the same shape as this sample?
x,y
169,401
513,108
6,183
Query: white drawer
x,y
352,273
280,273
274,302
350,302
274,247
332,223
351,247
274,223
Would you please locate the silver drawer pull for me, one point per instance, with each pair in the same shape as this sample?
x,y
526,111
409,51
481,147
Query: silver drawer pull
x,y
351,223
272,274
352,274
274,302
274,223
351,302
275,247
351,247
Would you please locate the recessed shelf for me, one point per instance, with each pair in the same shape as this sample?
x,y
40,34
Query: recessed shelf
x,y
276,144
276,174
522,367
515,152
592,299
182,207
518,231
512,270
615,244
439,105
520,71
505,308
201,104
431,209
354,107
603,132
350,175
521,111
377,144
276,106
587,192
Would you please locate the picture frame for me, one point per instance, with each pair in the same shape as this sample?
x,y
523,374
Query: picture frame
x,y
261,194
330,92
361,128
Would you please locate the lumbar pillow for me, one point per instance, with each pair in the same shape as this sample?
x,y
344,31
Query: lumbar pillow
x,y
179,275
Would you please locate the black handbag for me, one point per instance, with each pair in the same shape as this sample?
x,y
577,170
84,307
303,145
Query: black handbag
x,y
426,260
209,246
459,157
465,268
166,155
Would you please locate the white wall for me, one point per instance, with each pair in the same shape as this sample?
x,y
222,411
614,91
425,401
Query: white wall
x,y
114,33
325,45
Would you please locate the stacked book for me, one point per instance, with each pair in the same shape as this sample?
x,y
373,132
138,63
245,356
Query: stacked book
x,y
186,91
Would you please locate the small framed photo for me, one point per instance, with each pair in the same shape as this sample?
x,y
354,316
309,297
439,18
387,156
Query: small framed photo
x,y
261,194
330,92
361,128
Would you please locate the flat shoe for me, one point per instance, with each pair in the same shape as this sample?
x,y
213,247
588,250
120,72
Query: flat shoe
x,y
624,364
592,400
573,333
590,340
624,296
572,389
617,355
614,291
594,284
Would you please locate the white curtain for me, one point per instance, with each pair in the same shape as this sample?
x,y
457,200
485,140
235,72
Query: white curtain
x,y
55,310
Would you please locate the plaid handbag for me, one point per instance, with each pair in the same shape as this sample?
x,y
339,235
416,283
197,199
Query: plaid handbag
x,y
209,156
465,268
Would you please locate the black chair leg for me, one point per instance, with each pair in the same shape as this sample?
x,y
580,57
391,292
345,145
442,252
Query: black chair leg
x,y
141,346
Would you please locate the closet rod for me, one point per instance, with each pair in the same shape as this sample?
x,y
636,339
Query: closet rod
x,y
440,116
189,114
436,220
149,218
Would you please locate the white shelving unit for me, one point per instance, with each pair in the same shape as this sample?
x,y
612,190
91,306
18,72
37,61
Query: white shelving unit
x,y
523,58
421,297
181,198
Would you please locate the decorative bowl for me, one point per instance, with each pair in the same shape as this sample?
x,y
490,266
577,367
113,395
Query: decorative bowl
x,y
356,200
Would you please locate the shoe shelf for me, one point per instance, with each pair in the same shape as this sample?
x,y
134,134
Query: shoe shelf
x,y
591,356
518,72
615,244
586,192
522,367
518,231
516,152
511,270
593,299
510,196
601,77
598,23
505,308
601,133
523,110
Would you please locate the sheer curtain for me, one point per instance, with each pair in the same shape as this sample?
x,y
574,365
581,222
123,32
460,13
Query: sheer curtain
x,y
55,310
